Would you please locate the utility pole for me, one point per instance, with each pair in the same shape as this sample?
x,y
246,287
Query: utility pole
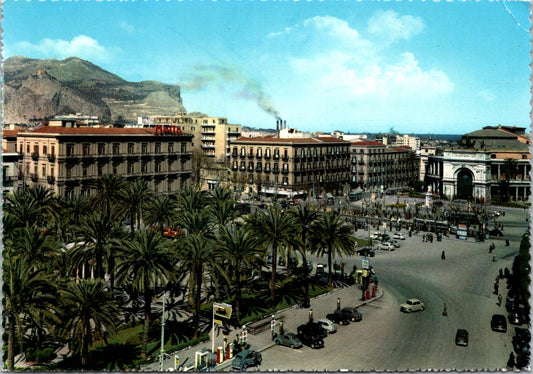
x,y
162,351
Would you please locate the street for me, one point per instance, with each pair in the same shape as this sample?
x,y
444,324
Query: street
x,y
387,339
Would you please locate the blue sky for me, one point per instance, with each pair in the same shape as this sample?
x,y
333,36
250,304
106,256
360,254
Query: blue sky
x,y
359,66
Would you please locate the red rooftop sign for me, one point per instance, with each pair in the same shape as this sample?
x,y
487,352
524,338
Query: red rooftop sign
x,y
160,129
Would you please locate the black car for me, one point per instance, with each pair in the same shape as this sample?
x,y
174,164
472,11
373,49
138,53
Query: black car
x,y
498,323
461,337
366,251
311,334
352,314
338,317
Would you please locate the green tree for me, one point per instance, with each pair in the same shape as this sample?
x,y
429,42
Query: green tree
x,y
304,217
28,292
88,311
144,262
273,228
134,198
333,237
160,210
237,249
109,188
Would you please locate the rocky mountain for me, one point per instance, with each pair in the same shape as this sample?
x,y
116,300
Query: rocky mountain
x,y
38,89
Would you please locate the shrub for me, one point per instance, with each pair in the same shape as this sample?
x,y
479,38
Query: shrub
x,y
45,355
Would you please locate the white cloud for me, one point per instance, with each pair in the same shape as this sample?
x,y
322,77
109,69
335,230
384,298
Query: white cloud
x,y
389,26
80,46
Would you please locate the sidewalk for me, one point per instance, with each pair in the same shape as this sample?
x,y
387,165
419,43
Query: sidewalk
x,y
292,317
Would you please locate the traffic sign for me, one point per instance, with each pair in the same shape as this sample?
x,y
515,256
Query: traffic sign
x,y
222,310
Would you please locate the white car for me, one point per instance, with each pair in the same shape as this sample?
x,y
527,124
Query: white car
x,y
374,236
386,246
411,305
398,236
327,325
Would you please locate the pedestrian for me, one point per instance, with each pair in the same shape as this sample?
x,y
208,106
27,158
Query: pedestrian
x,y
500,299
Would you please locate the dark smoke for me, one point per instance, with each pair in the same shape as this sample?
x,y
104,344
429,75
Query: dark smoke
x,y
205,75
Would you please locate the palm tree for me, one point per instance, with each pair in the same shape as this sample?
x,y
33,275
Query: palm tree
x,y
97,235
88,311
134,199
109,188
25,210
333,237
160,210
304,216
272,228
28,291
191,199
39,248
221,205
195,253
237,249
144,262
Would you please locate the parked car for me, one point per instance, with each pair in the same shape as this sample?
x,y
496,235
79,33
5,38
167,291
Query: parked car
x,y
385,237
461,337
327,325
395,243
320,269
398,236
412,305
289,340
281,261
386,246
246,359
514,318
376,235
310,335
366,251
498,323
521,340
338,317
352,313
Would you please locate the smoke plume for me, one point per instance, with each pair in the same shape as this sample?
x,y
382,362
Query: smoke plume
x,y
206,75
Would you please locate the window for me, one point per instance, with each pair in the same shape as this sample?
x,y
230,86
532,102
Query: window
x,y
143,167
276,152
115,169
170,147
235,152
183,147
101,149
144,148
131,169
53,149
243,165
285,153
70,150
28,148
44,170
276,167
45,150
36,148
251,166
52,171
157,148
100,170
235,165
116,148
158,167
285,181
69,171
243,151
267,166
259,152
267,152
251,153
131,148
86,149
84,170
285,167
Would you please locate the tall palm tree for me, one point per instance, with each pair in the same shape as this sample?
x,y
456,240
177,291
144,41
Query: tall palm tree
x,y
333,237
144,262
109,187
191,198
304,217
134,199
237,249
97,235
195,254
39,248
272,228
24,209
160,210
28,291
221,205
88,311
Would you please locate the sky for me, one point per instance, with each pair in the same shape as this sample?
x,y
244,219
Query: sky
x,y
354,66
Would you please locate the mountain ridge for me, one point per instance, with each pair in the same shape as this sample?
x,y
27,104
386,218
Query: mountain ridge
x,y
36,89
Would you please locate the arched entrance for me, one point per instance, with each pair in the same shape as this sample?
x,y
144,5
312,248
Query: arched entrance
x,y
465,185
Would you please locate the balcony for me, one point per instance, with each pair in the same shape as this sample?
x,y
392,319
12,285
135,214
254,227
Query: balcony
x,y
51,179
51,157
34,177
285,158
35,156
285,171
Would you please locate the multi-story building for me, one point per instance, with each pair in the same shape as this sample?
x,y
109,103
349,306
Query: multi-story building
x,y
212,135
68,159
376,166
475,168
290,166
10,159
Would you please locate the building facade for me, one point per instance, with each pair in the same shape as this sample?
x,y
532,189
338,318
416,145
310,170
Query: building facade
x,y
290,166
374,166
10,160
477,167
69,160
